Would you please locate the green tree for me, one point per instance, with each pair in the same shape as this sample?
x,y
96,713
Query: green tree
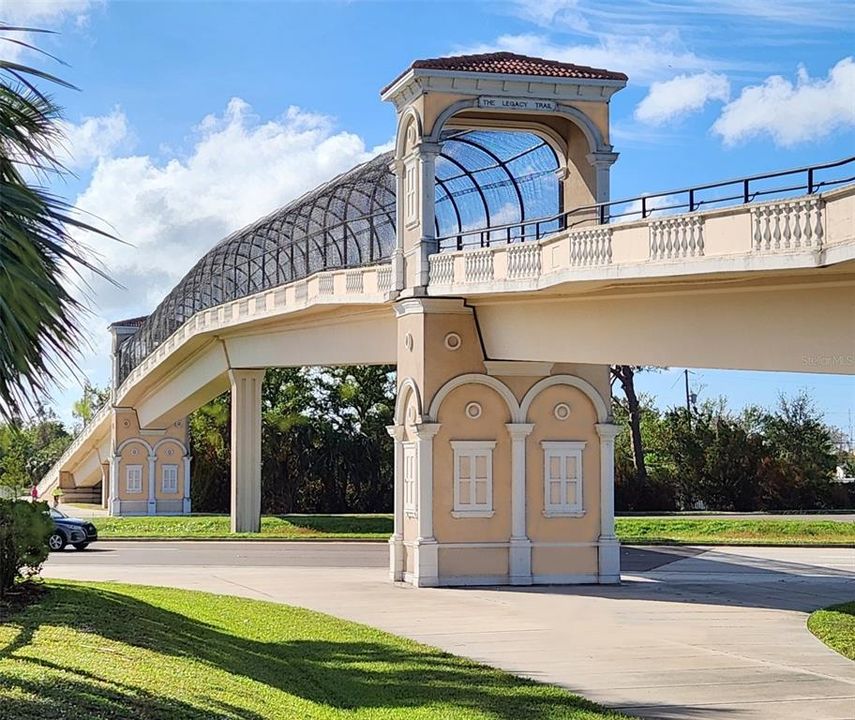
x,y
39,317
803,447
89,403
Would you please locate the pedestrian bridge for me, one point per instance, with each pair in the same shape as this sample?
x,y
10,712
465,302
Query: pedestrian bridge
x,y
484,258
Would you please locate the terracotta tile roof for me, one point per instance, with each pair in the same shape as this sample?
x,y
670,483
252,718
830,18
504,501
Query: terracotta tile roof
x,y
507,63
130,322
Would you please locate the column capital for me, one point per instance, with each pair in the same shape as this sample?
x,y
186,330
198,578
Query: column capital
x,y
602,159
426,148
426,431
396,166
519,430
239,373
608,431
395,431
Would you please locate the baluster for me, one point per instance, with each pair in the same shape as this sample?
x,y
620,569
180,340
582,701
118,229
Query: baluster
x,y
767,225
785,233
818,230
808,224
757,238
797,224
776,233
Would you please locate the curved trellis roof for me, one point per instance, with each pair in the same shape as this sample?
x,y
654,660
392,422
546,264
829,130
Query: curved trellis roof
x,y
483,179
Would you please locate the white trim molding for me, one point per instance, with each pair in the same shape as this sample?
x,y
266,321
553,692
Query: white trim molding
x,y
609,546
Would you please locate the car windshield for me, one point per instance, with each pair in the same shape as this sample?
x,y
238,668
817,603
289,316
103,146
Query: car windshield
x,y
56,514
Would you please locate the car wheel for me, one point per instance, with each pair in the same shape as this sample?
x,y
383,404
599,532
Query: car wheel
x,y
56,541
81,546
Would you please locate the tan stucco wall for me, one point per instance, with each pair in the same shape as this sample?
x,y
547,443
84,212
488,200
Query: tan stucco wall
x,y
136,452
564,561
473,562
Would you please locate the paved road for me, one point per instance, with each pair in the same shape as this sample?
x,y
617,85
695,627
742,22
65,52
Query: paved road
x,y
692,632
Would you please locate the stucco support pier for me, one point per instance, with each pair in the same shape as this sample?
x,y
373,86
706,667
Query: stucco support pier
x,y
246,450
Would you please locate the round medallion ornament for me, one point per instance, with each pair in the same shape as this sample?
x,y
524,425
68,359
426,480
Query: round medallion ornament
x,y
411,414
453,341
170,451
134,451
561,411
473,411
126,423
177,423
408,342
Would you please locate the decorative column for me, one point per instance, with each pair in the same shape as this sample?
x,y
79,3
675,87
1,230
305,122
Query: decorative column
x,y
115,503
426,564
246,450
602,163
152,484
609,547
520,551
398,277
427,246
186,504
396,542
105,485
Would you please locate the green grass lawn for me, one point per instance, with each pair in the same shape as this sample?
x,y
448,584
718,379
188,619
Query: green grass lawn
x,y
284,527
835,626
631,530
712,531
100,650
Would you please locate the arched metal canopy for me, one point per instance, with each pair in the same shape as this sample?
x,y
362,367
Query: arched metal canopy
x,y
483,178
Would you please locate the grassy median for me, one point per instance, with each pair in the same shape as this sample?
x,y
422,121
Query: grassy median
x,y
712,531
835,626
102,650
631,530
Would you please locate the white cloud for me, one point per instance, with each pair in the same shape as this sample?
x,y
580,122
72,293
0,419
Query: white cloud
x,y
680,96
172,211
643,58
93,138
791,113
43,15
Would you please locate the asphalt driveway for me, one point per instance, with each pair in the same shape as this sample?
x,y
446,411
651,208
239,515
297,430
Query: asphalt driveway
x,y
691,633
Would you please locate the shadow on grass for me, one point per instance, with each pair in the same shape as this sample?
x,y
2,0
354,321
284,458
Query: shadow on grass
x,y
343,524
339,674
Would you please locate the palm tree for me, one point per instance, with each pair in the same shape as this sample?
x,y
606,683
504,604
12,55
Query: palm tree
x,y
39,317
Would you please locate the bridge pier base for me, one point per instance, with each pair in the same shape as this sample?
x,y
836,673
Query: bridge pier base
x,y
246,450
504,471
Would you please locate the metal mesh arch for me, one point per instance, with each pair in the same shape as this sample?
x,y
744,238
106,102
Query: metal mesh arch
x,y
483,178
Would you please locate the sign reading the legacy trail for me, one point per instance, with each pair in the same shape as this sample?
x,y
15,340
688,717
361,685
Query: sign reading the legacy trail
x,y
501,103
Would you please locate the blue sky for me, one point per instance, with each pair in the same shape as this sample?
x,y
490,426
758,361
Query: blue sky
x,y
194,118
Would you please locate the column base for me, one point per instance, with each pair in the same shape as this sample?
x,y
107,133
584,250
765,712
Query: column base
x,y
519,561
425,563
185,508
115,507
151,508
609,561
396,558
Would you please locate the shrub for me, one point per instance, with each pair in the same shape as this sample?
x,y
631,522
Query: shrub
x,y
24,530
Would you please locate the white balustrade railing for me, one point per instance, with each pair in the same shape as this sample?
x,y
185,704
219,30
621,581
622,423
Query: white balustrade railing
x,y
384,279
591,246
442,269
326,284
677,237
788,225
353,282
478,265
523,261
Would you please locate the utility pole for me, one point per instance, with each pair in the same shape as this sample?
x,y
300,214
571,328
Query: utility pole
x,y
688,396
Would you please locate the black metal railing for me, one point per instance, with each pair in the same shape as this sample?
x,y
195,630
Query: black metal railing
x,y
742,190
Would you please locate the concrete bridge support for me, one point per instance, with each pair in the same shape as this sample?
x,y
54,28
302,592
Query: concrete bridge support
x,y
246,450
504,470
